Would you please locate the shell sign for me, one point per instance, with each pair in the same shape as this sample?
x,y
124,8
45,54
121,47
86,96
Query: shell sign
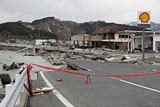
x,y
144,17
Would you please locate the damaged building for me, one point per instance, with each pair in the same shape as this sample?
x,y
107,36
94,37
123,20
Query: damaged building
x,y
86,41
114,37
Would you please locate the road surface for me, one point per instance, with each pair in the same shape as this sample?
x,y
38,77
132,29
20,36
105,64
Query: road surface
x,y
141,91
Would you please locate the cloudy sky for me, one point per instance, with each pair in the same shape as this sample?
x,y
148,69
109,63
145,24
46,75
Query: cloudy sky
x,y
119,11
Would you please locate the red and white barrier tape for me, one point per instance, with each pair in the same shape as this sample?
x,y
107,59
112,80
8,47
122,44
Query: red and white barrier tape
x,y
88,75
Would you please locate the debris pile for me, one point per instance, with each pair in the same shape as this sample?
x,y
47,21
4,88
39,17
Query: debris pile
x,y
57,59
12,66
101,55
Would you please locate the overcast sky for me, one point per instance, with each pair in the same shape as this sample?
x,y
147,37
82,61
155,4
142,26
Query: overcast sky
x,y
119,11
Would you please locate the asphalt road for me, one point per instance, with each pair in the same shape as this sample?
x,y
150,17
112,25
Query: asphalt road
x,y
48,99
106,91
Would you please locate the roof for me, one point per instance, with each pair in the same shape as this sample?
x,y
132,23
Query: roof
x,y
134,31
108,29
137,33
81,34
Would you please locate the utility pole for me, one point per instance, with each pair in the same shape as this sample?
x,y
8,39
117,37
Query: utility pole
x,y
128,43
90,43
143,45
83,42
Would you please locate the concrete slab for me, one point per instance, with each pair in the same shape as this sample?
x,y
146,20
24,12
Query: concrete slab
x,y
5,78
2,91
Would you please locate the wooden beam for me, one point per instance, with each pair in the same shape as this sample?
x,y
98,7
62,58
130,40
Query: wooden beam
x,y
43,89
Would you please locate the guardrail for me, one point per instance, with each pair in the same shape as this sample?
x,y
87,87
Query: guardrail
x,y
12,91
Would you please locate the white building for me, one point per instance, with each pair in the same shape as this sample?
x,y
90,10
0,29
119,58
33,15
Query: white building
x,y
134,39
116,38
156,42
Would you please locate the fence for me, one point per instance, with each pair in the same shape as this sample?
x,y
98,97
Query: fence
x,y
12,91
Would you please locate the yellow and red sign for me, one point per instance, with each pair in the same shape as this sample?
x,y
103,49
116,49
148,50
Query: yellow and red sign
x,y
144,17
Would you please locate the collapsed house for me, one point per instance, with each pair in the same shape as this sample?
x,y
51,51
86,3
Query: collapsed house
x,y
85,40
114,37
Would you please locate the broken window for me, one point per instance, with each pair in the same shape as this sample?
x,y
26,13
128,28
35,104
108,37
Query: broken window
x,y
104,36
124,36
111,36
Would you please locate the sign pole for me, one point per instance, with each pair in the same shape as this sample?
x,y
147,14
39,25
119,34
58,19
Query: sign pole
x,y
143,45
143,22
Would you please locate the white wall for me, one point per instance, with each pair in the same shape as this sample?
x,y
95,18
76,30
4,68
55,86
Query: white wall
x,y
147,41
156,38
39,41
52,40
117,39
138,41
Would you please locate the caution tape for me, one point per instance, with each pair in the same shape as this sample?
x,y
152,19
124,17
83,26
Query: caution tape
x,y
59,70
88,75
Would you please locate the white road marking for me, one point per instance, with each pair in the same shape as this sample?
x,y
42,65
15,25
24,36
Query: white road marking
x,y
155,70
85,68
134,84
61,98
137,85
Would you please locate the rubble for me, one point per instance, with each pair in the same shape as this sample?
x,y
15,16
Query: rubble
x,y
5,78
4,66
101,55
12,66
29,54
133,60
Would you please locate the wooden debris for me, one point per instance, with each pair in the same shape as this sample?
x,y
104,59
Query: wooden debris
x,y
43,89
40,93
12,66
5,66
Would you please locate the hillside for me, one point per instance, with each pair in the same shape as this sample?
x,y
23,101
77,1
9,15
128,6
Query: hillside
x,y
65,29
51,27
17,30
154,26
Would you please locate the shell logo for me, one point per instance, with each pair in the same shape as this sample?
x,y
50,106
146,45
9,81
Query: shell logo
x,y
144,17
